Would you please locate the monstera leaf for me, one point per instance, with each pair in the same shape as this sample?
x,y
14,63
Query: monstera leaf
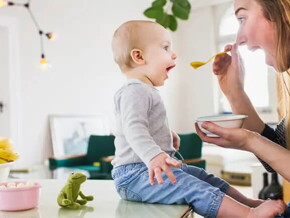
x,y
179,9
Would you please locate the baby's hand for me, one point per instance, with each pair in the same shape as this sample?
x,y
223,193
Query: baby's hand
x,y
161,163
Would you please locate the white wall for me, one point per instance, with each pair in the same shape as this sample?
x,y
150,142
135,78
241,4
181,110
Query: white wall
x,y
83,77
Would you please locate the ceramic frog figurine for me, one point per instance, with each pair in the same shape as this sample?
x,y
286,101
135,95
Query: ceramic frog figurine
x,y
70,192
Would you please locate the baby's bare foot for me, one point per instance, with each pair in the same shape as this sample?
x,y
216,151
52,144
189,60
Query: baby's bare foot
x,y
267,209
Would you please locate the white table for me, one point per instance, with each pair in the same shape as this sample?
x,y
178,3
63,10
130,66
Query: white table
x,y
107,204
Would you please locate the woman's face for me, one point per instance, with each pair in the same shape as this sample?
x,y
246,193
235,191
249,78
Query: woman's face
x,y
255,30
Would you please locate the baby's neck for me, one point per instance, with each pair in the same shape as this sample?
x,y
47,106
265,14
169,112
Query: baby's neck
x,y
135,74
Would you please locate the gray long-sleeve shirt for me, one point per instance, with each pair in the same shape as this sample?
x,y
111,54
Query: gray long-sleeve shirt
x,y
142,129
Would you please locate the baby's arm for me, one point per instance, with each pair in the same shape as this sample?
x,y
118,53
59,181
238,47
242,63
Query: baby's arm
x,y
161,163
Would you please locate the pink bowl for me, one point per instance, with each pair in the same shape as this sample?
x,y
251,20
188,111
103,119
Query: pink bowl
x,y
24,198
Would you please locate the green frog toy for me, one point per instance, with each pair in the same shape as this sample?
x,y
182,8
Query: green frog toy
x,y
70,192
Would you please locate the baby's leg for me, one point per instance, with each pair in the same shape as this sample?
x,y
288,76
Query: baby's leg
x,y
221,184
206,177
268,209
188,189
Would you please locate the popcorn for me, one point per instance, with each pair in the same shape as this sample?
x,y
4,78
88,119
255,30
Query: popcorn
x,y
11,185
17,185
20,185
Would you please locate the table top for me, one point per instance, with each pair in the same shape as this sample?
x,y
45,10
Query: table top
x,y
106,204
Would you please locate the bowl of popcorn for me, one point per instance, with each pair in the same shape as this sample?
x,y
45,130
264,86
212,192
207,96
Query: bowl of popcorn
x,y
20,195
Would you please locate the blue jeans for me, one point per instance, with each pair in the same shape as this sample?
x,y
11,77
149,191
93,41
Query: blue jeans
x,y
204,192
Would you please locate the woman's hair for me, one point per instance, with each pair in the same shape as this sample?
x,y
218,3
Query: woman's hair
x,y
278,11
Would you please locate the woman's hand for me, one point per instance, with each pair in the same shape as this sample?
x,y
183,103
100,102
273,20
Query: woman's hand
x,y
228,137
230,71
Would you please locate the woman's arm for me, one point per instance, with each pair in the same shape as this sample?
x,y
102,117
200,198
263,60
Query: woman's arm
x,y
229,70
242,105
276,156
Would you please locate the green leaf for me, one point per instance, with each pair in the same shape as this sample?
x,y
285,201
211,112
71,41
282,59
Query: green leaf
x,y
172,23
180,12
182,4
159,3
153,12
164,20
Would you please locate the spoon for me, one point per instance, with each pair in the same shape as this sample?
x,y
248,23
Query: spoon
x,y
197,64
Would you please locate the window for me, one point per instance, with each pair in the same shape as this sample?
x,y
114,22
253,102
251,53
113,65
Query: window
x,y
257,75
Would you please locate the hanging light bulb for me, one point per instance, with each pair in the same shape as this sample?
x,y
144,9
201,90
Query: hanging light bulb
x,y
3,3
43,63
50,35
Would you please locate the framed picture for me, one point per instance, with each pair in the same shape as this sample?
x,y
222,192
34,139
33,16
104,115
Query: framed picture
x,y
70,134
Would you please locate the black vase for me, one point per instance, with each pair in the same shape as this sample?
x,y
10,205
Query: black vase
x,y
265,184
274,190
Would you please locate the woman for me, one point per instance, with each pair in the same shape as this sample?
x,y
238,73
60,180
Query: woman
x,y
264,24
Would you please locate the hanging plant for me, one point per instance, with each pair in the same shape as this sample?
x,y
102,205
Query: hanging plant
x,y
179,9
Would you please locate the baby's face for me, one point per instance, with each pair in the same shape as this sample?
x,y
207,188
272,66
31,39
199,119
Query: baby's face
x,y
158,53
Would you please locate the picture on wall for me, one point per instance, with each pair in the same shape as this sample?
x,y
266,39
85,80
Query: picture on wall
x,y
70,134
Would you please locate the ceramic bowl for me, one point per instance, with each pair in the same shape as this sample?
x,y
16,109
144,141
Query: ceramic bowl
x,y
23,197
4,171
225,120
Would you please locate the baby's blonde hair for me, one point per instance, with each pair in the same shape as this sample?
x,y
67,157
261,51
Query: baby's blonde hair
x,y
127,37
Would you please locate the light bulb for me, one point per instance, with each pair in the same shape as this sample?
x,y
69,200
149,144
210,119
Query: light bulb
x,y
3,3
43,64
50,35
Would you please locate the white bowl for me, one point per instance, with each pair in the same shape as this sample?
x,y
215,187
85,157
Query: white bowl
x,y
224,120
4,171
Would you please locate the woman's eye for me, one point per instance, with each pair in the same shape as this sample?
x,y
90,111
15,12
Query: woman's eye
x,y
241,19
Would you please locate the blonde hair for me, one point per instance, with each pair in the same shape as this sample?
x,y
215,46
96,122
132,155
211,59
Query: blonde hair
x,y
127,37
283,82
278,11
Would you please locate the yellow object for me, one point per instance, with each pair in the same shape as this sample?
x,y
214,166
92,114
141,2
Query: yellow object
x,y
5,143
97,164
3,3
197,64
286,190
6,152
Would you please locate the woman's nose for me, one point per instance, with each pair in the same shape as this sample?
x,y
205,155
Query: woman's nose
x,y
240,38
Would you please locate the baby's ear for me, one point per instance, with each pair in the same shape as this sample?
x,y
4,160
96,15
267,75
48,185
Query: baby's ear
x,y
137,56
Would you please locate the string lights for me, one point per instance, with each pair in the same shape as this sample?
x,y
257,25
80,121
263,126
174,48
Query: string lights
x,y
49,35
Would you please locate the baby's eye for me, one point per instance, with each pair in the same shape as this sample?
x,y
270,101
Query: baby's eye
x,y
166,48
